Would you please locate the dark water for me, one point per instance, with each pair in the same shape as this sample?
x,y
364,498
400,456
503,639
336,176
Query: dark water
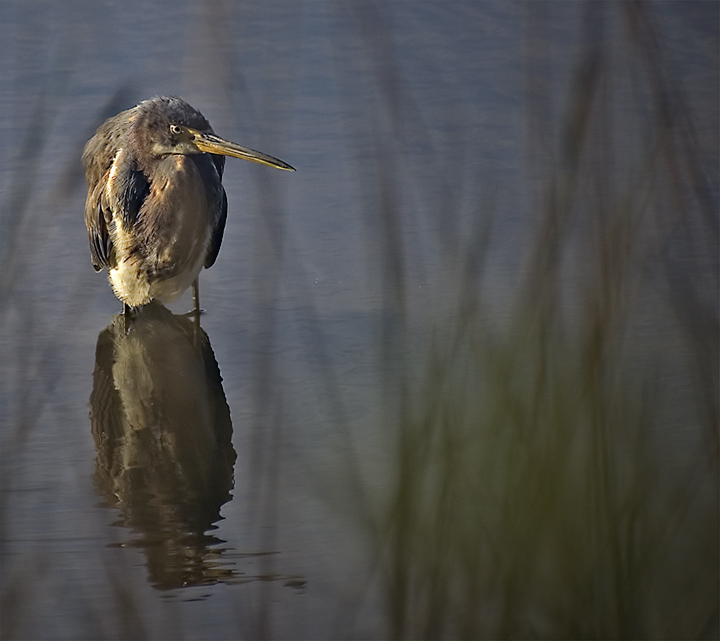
x,y
458,374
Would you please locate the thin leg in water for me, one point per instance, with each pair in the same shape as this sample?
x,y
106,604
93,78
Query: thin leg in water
x,y
126,316
196,298
196,308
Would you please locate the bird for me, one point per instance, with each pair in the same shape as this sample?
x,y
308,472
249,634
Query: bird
x,y
156,208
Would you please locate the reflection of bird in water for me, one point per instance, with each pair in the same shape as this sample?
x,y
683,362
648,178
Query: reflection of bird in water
x,y
162,432
156,208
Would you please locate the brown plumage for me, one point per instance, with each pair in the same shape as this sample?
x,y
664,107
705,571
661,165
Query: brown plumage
x,y
156,208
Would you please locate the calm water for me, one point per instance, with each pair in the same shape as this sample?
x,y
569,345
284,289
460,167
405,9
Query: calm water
x,y
457,375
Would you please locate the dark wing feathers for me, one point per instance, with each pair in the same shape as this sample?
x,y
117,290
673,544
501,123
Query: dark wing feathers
x,y
133,188
98,158
217,234
95,221
211,168
136,188
219,162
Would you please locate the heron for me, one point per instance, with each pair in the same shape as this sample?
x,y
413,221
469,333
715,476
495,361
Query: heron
x,y
156,209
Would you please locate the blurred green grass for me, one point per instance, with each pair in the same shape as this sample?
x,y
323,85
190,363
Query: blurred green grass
x,y
534,493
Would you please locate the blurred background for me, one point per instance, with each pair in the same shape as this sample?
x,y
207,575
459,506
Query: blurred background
x,y
458,375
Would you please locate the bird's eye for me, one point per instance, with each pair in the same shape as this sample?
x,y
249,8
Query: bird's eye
x,y
175,129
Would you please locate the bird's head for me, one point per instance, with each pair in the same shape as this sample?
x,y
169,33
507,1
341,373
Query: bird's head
x,y
164,126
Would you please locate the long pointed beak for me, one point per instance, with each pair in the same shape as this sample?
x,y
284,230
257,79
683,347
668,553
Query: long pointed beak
x,y
212,144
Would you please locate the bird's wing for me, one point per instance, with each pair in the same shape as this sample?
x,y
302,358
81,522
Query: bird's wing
x,y
132,189
97,227
122,191
217,233
219,162
101,150
99,157
211,173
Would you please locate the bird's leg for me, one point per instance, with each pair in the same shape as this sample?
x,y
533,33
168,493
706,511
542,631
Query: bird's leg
x,y
196,298
126,315
196,312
